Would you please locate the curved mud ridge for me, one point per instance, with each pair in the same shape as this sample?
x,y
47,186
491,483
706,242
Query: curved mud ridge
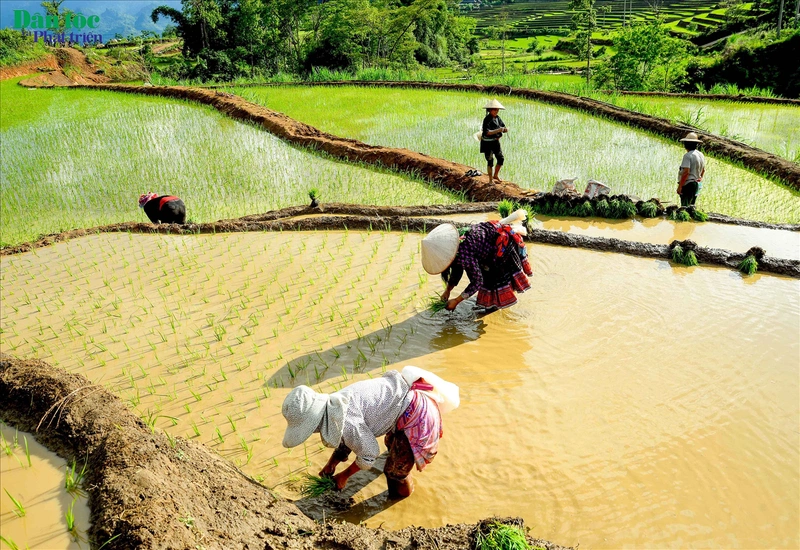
x,y
350,217
714,97
146,492
751,157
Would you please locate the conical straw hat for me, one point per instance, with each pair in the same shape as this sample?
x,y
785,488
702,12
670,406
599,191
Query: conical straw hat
x,y
691,136
494,104
439,248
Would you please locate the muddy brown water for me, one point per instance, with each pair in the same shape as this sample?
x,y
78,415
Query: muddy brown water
x,y
623,402
39,487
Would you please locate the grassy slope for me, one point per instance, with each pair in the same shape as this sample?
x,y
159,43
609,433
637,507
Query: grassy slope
x,y
78,158
545,144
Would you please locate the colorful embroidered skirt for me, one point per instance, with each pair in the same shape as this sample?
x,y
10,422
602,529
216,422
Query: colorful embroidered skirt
x,y
504,277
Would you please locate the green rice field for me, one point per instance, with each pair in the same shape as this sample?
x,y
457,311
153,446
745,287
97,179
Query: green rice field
x,y
773,128
544,144
80,158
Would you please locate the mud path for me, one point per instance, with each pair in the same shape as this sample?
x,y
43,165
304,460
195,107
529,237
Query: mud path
x,y
399,219
751,157
146,491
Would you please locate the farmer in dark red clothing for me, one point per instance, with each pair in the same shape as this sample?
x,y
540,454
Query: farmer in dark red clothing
x,y
163,208
492,254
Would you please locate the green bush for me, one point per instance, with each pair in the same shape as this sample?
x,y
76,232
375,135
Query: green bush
x,y
16,48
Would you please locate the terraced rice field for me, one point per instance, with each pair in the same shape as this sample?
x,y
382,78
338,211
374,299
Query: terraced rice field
x,y
530,17
544,144
80,158
772,128
594,433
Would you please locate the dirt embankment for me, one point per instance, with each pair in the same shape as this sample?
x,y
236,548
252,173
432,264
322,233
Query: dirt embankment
x,y
71,68
146,492
45,64
751,157
714,97
337,217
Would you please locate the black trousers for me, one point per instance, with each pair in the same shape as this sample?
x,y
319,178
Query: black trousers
x,y
689,194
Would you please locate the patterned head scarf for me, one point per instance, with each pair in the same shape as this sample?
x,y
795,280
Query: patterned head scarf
x,y
143,199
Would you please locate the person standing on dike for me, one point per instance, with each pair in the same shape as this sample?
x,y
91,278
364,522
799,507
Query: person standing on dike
x,y
491,132
492,254
692,170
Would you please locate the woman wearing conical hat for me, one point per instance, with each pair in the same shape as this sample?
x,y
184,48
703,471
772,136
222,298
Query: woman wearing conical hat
x,y
491,132
491,253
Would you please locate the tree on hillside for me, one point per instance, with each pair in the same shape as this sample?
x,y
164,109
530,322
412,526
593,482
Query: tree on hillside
x,y
646,57
585,22
499,31
51,7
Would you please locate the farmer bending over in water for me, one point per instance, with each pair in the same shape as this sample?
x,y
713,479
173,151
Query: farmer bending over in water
x,y
493,255
491,132
405,407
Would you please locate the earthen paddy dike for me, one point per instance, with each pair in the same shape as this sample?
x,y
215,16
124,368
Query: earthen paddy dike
x,y
621,402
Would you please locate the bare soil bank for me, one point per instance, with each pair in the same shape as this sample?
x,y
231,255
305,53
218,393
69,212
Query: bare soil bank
x,y
145,492
69,67
341,216
45,64
751,157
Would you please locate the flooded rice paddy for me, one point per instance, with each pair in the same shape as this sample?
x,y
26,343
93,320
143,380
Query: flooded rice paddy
x,y
622,402
544,144
35,477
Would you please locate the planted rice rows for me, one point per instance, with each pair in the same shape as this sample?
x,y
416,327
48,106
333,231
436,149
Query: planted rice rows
x,y
203,336
80,158
544,144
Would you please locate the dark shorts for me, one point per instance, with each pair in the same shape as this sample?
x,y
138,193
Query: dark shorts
x,y
401,458
689,193
491,149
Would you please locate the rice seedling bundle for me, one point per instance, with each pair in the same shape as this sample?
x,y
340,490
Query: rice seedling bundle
x,y
584,210
648,209
314,486
505,208
436,304
699,215
749,265
602,209
500,536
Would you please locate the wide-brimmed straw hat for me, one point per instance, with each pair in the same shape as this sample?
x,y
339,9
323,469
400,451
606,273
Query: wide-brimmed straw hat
x,y
439,248
691,136
305,410
494,104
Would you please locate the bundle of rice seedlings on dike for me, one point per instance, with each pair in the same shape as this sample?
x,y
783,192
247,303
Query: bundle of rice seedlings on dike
x,y
621,209
648,209
314,486
683,253
697,215
679,215
602,208
749,265
500,536
583,209
505,208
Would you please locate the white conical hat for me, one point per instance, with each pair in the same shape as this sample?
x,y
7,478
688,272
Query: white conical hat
x,y
439,248
691,136
494,104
